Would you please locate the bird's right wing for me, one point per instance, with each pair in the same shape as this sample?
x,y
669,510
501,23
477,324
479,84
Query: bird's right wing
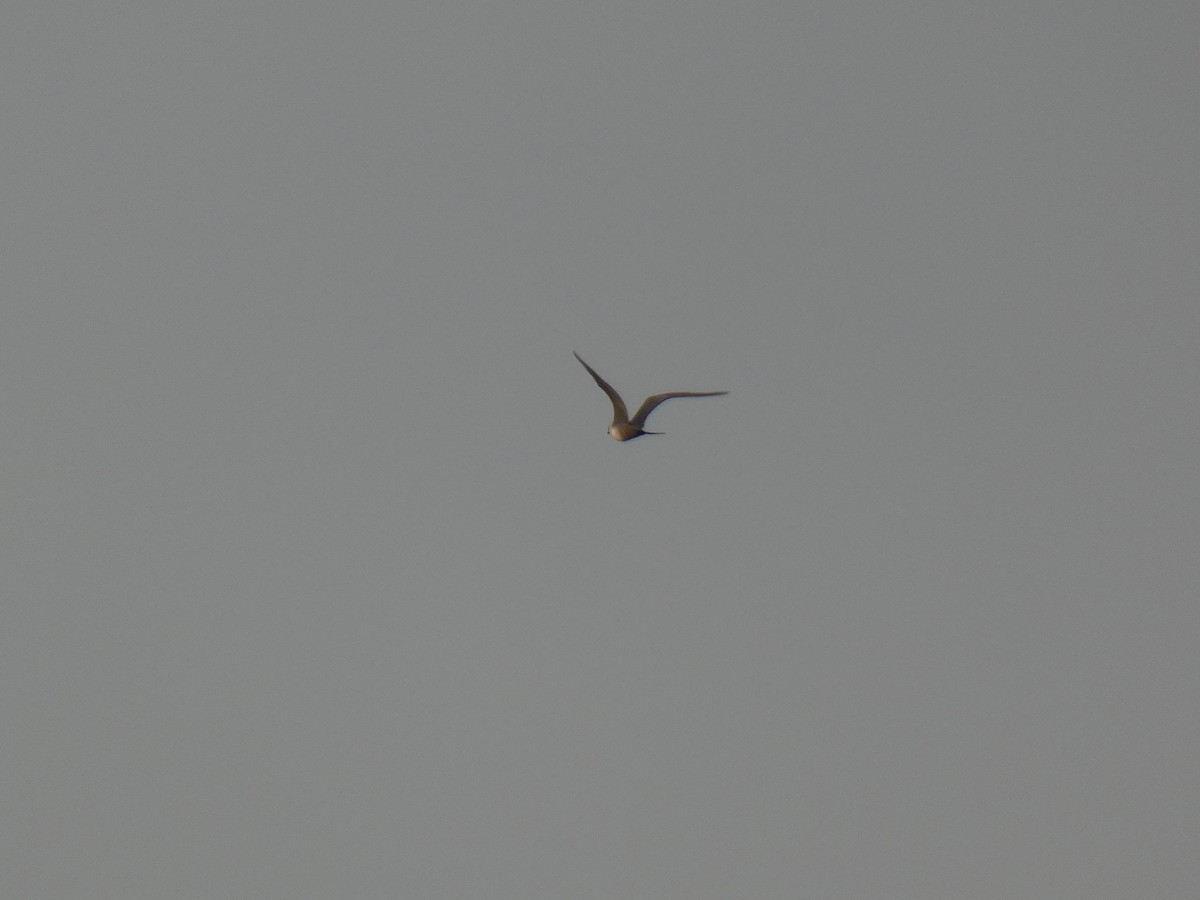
x,y
620,414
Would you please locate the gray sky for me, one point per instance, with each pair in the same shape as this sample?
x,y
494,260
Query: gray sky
x,y
322,579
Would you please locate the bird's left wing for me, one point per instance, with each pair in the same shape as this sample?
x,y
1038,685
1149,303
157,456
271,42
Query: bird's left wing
x,y
650,403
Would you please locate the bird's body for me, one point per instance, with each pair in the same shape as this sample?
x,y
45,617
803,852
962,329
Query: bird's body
x,y
624,428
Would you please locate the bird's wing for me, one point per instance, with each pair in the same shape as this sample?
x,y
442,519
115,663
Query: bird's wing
x,y
620,414
650,403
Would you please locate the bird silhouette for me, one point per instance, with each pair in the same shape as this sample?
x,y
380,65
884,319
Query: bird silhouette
x,y
624,428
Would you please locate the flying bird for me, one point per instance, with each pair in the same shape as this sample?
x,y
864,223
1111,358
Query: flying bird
x,y
624,428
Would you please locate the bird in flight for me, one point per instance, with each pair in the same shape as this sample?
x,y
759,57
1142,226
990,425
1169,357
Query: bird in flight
x,y
624,428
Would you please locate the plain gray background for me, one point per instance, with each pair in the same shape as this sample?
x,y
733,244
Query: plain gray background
x,y
322,579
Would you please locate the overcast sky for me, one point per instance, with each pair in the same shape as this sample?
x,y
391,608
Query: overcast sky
x,y
321,579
